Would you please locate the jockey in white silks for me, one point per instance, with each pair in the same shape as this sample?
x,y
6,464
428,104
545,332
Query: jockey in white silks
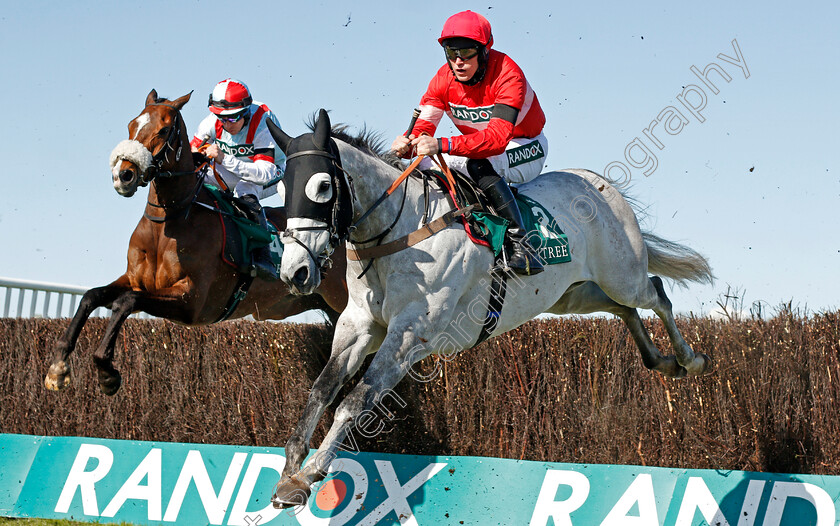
x,y
248,161
486,95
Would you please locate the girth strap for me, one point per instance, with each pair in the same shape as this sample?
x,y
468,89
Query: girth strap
x,y
238,295
498,288
424,232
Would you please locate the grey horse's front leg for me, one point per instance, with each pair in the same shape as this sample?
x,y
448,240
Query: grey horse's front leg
x,y
390,365
354,339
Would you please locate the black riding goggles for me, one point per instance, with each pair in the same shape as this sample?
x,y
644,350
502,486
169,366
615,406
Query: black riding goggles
x,y
227,104
462,53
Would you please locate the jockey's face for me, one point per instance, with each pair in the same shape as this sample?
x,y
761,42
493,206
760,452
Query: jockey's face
x,y
464,69
233,127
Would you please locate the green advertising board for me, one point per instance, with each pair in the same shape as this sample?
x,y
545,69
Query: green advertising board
x,y
97,480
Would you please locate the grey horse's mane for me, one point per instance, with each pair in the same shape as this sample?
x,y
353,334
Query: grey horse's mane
x,y
368,141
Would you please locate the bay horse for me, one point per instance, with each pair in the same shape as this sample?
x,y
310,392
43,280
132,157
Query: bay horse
x,y
175,270
434,296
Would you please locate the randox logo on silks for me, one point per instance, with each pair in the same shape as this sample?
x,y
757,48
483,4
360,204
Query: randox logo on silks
x,y
523,154
238,150
474,115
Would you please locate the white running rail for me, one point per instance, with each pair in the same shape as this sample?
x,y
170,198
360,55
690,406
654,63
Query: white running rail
x,y
34,299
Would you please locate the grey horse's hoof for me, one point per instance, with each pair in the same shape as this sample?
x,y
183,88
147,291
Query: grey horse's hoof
x,y
669,368
290,492
58,376
709,365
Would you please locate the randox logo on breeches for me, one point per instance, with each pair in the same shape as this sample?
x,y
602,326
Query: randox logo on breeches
x,y
237,150
523,154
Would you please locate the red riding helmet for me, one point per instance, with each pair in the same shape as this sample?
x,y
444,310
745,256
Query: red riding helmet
x,y
467,24
230,97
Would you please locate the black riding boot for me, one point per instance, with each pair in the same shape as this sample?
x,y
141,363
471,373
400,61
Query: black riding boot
x,y
260,257
524,259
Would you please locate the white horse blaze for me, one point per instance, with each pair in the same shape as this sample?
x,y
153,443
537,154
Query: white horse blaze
x,y
141,121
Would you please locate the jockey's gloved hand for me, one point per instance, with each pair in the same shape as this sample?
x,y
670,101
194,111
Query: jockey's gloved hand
x,y
402,145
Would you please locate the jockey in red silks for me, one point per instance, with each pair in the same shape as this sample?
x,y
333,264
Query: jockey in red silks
x,y
247,159
489,100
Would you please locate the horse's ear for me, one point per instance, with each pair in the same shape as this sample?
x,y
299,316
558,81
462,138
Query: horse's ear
x,y
180,101
151,97
322,129
279,135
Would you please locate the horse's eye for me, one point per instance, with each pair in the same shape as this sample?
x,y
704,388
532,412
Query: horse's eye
x,y
163,131
319,188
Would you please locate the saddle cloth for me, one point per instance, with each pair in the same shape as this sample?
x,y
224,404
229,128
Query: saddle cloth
x,y
241,235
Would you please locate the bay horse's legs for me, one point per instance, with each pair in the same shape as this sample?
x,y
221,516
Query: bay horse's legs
x,y
587,297
355,338
331,313
695,364
388,367
58,376
171,304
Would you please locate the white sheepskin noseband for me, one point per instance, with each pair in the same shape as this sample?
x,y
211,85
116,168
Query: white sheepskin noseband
x,y
133,152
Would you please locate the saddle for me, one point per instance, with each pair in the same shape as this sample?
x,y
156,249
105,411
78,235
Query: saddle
x,y
488,229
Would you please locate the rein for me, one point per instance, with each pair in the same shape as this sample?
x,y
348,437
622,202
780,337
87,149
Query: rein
x,y
184,203
424,232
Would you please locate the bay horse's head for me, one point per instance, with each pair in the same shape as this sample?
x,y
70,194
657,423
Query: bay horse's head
x,y
157,140
319,204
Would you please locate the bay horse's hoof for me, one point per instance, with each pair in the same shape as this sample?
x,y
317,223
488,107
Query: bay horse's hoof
x,y
58,376
290,492
110,379
109,383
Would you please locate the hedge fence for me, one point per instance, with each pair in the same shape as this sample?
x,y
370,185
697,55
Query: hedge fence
x,y
560,390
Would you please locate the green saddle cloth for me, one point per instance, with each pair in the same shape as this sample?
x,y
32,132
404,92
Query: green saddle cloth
x,y
251,234
555,244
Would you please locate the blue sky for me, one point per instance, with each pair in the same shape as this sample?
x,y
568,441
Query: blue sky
x,y
755,187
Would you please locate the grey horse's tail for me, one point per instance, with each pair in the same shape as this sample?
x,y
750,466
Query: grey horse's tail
x,y
677,262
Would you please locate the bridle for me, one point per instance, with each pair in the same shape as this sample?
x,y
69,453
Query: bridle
x,y
173,139
342,185
172,145
338,233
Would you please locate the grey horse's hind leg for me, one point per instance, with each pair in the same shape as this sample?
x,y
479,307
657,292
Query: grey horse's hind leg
x,y
695,364
587,297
